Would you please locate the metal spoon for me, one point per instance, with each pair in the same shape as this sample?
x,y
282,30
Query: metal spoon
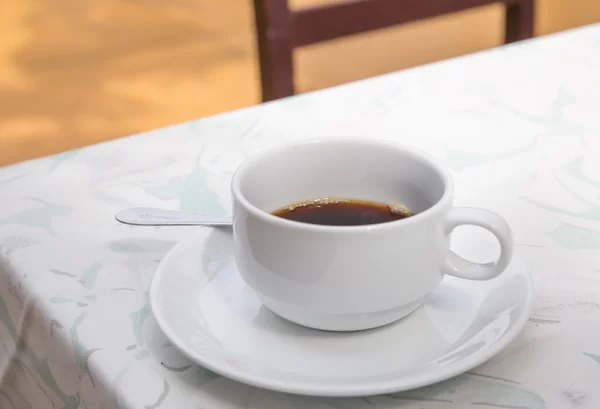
x,y
150,216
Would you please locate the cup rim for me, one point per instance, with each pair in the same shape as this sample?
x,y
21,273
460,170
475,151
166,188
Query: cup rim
x,y
279,221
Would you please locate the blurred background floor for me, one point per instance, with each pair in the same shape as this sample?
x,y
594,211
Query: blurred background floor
x,y
73,73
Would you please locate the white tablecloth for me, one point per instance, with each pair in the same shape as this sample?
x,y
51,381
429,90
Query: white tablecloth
x,y
519,127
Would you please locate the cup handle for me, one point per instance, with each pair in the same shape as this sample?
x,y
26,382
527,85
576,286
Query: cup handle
x,y
457,266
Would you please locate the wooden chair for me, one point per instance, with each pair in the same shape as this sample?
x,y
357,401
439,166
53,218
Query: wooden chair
x,y
280,29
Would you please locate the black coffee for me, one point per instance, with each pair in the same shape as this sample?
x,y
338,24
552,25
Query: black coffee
x,y
342,212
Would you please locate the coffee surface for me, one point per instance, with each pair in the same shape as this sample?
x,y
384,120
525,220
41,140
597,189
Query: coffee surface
x,y
342,212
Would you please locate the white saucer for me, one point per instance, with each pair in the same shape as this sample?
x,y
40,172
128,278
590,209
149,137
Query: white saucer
x,y
207,311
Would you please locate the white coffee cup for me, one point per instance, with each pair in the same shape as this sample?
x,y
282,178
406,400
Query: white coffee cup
x,y
345,278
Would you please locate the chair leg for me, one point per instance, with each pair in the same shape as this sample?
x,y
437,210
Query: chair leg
x,y
274,32
519,21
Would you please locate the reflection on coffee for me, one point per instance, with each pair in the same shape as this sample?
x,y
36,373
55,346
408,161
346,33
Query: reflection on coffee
x,y
343,212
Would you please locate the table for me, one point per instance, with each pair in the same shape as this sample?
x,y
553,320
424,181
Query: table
x,y
519,128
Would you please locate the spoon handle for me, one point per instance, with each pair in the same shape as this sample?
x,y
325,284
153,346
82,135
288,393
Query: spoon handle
x,y
150,216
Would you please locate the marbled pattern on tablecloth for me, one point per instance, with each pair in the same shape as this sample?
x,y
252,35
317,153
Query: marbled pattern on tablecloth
x,y
519,128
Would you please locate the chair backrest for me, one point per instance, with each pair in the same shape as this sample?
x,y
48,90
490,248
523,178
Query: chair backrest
x,y
279,29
